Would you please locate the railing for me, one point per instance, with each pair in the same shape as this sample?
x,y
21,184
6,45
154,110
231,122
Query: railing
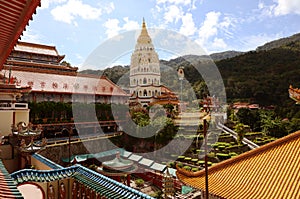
x,y
234,134
9,105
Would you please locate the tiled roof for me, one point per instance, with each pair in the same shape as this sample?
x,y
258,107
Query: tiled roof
x,y
270,171
32,175
54,83
36,48
107,187
14,16
8,187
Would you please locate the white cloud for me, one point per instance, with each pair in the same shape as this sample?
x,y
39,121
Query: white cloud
x,y
287,7
188,26
46,3
184,2
218,44
173,13
280,7
209,27
214,31
76,8
113,28
31,36
130,25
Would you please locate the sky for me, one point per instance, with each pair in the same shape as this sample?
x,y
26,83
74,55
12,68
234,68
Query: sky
x,y
78,27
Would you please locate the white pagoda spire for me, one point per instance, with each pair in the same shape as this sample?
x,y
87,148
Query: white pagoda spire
x,y
144,69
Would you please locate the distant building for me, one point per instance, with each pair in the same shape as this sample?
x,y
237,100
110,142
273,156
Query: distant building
x,y
41,68
145,76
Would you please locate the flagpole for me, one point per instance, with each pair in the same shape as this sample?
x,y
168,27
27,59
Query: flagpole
x,y
205,157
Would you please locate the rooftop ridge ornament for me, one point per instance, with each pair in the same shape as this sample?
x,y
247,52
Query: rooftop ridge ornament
x,y
294,94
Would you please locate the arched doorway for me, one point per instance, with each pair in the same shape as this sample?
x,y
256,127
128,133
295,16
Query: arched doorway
x,y
30,189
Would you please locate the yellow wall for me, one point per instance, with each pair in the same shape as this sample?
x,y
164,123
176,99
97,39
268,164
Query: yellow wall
x,y
6,119
22,116
39,165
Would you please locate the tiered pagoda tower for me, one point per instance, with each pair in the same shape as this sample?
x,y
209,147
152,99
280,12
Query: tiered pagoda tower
x,y
144,70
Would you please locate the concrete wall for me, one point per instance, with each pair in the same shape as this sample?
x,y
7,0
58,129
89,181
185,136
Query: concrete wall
x,y
6,121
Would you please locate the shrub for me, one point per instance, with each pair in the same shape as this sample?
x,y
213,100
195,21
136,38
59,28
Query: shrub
x,y
187,159
180,165
200,162
139,182
195,169
211,155
223,156
199,151
172,164
221,147
181,157
188,168
232,154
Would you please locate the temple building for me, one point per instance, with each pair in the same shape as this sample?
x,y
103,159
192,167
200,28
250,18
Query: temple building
x,y
51,79
145,76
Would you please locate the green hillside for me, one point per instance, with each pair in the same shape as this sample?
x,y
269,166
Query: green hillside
x,y
261,76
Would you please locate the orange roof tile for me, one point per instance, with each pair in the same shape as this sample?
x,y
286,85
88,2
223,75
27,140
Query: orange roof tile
x,y
270,171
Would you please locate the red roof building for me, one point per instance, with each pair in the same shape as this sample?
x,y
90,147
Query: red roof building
x,y
40,67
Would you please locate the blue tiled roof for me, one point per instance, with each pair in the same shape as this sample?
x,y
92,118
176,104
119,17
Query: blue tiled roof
x,y
96,181
8,187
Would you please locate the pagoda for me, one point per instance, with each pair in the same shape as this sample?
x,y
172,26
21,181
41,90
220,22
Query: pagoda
x,y
118,168
145,77
25,140
144,70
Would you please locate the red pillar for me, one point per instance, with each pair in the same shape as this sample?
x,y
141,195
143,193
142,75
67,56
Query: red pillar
x,y
118,178
128,180
14,118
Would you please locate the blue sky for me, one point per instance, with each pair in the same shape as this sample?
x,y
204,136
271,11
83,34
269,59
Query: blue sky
x,y
77,27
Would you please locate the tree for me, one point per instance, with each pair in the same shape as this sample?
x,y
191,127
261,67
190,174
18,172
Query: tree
x,y
240,130
272,125
249,117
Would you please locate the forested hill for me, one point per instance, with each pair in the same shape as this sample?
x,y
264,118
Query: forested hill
x,y
260,76
280,42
